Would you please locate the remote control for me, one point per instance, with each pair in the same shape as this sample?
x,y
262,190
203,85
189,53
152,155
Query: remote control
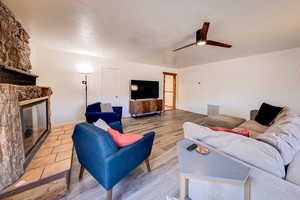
x,y
191,147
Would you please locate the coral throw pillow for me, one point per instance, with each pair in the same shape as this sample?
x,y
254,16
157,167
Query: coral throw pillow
x,y
125,139
243,132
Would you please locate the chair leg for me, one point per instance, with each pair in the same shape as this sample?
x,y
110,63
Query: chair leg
x,y
81,172
148,165
109,195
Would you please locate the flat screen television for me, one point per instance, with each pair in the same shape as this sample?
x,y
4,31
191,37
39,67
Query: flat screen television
x,y
144,89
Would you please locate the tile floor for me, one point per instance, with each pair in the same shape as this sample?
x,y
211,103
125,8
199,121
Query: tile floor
x,y
54,156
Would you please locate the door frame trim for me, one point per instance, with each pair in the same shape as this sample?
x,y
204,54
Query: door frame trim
x,y
174,87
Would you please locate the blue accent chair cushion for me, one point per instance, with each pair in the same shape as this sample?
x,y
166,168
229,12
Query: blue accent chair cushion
x,y
99,155
93,113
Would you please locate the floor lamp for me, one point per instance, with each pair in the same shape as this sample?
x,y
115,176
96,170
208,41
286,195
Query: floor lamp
x,y
85,83
85,69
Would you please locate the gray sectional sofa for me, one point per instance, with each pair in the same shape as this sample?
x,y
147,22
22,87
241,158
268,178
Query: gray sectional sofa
x,y
272,152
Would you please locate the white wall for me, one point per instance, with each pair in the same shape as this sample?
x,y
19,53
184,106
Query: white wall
x,y
58,70
237,85
242,84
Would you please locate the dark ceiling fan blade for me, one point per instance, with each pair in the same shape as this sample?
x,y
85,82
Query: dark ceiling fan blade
x,y
204,31
219,44
186,46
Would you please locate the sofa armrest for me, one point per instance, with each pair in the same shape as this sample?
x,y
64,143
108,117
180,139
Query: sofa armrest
x,y
117,126
118,109
253,114
293,175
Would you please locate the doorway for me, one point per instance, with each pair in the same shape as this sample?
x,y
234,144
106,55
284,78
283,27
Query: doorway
x,y
169,91
110,86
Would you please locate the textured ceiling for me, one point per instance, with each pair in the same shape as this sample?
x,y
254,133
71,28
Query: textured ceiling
x,y
147,30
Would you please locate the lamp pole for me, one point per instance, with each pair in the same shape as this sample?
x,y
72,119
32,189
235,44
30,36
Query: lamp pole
x,y
86,91
85,70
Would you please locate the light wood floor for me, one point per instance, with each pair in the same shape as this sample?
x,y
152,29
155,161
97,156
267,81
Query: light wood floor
x,y
169,107
168,129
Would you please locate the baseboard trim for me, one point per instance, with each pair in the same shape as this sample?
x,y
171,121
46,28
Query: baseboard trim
x,y
30,186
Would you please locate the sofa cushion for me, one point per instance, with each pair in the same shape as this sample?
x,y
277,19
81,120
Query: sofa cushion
x,y
283,113
225,121
123,140
243,132
253,127
102,124
256,153
284,135
106,107
267,113
293,174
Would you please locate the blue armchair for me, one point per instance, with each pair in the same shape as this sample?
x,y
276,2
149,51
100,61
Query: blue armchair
x,y
93,113
99,155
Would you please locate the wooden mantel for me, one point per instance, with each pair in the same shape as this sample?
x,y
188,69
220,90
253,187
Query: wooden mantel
x,y
17,77
30,101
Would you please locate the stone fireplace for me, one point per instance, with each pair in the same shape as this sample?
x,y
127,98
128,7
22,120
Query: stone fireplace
x,y
24,106
35,159
24,124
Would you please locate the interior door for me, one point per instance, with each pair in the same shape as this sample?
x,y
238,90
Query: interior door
x,y
110,86
169,91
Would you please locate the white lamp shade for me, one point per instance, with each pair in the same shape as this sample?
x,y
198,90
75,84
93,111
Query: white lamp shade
x,y
85,69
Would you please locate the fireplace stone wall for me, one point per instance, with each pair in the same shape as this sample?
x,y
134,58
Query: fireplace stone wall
x,y
12,155
14,42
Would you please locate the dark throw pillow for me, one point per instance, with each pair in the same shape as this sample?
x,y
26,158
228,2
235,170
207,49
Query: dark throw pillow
x,y
267,113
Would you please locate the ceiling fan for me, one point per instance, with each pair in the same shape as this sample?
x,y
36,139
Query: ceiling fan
x,y
201,39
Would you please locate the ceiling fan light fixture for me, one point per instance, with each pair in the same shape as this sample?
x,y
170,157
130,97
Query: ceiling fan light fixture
x,y
201,39
201,43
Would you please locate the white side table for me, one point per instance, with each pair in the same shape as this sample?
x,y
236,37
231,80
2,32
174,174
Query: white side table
x,y
213,167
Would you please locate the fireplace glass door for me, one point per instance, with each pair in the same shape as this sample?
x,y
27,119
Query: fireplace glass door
x,y
34,124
